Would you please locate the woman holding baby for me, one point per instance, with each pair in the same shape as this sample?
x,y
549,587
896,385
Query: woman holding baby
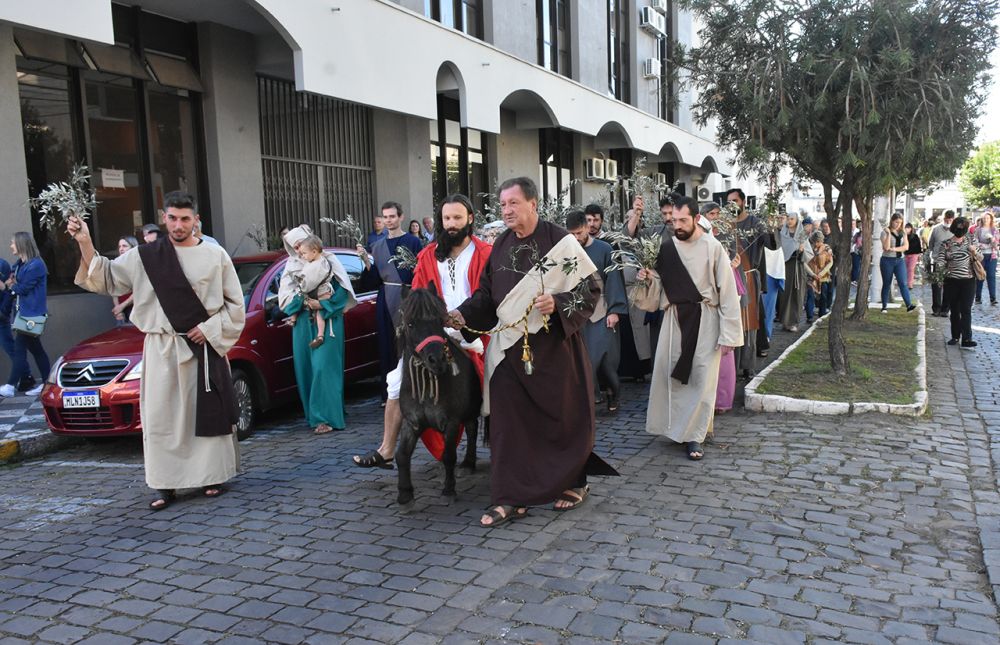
x,y
315,292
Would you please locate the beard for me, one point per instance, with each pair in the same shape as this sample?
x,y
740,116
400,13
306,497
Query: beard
x,y
448,240
683,235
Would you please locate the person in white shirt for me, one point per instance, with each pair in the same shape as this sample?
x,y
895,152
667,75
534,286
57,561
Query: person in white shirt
x,y
453,265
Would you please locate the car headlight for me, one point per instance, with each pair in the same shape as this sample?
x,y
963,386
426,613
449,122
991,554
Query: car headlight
x,y
135,373
54,372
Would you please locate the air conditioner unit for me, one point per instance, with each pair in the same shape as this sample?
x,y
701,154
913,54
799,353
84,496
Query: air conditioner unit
x,y
594,169
611,170
703,193
651,68
652,21
660,180
658,5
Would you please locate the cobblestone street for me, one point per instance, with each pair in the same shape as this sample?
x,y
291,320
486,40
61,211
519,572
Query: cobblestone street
x,y
794,529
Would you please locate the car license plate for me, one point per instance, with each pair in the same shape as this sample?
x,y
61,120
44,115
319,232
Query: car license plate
x,y
82,399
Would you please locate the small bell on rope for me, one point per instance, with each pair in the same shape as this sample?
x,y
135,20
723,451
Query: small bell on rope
x,y
526,358
454,368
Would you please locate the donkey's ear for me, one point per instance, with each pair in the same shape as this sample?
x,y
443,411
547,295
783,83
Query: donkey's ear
x,y
432,286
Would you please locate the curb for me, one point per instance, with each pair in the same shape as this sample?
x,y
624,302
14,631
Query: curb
x,y
777,403
14,450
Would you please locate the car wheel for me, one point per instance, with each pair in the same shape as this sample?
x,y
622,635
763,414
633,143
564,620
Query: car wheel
x,y
246,403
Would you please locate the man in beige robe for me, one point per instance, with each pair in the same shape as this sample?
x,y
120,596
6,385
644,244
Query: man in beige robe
x,y
174,457
685,412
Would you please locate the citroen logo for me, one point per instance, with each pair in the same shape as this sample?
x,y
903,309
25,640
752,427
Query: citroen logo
x,y
86,374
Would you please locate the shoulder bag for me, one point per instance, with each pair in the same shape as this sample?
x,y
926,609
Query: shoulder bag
x,y
977,264
27,325
34,325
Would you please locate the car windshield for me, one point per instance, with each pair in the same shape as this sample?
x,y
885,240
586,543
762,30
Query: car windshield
x,y
249,274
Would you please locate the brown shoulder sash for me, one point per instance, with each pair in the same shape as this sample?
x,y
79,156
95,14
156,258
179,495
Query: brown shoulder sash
x,y
216,409
684,295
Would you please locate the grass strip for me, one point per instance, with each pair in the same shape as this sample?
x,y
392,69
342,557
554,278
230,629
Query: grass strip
x,y
881,350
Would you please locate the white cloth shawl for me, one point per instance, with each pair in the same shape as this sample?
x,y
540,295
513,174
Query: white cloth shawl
x,y
295,265
516,302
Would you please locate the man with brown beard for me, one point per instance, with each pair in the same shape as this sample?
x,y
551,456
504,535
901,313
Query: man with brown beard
x,y
453,262
693,283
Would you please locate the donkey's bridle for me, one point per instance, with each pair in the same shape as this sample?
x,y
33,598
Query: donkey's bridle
x,y
423,382
427,341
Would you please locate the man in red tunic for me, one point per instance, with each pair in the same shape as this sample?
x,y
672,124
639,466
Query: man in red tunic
x,y
453,262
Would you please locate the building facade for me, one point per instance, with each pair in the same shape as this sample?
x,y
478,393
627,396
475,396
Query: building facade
x,y
276,113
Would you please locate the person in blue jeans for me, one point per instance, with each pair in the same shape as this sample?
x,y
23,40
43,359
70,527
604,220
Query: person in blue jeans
x,y
6,309
774,262
27,283
892,264
988,240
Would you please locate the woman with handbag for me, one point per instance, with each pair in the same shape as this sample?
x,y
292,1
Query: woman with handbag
x,y
958,258
27,284
986,238
892,265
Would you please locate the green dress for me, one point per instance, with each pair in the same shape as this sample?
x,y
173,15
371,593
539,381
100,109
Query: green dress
x,y
320,371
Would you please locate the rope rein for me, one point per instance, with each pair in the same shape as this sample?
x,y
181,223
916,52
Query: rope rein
x,y
527,356
423,382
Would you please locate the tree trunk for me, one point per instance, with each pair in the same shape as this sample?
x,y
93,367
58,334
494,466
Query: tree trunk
x,y
864,278
841,244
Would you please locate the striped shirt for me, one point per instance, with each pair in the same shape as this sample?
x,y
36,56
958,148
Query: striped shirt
x,y
954,256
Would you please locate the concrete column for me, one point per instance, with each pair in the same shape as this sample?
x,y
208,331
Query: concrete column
x,y
402,164
516,150
881,211
511,25
589,46
14,215
232,134
413,5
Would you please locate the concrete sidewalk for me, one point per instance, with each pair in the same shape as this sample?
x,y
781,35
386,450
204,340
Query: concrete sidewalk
x,y
23,431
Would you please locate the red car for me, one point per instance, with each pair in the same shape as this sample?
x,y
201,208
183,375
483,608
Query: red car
x,y
93,389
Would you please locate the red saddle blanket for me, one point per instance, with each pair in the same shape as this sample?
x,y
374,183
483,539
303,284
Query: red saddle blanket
x,y
432,437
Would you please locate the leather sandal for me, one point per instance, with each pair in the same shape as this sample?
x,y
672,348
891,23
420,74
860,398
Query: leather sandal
x,y
165,498
575,497
373,459
502,514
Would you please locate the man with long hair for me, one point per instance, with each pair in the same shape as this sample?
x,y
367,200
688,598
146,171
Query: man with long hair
x,y
453,263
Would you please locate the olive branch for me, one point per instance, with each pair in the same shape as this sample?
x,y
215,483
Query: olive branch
x,y
633,252
65,199
404,259
347,227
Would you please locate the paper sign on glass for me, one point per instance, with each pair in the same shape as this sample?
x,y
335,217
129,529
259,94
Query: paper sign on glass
x,y
111,178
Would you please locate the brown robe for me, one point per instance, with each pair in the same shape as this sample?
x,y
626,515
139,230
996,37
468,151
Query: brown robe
x,y
541,426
